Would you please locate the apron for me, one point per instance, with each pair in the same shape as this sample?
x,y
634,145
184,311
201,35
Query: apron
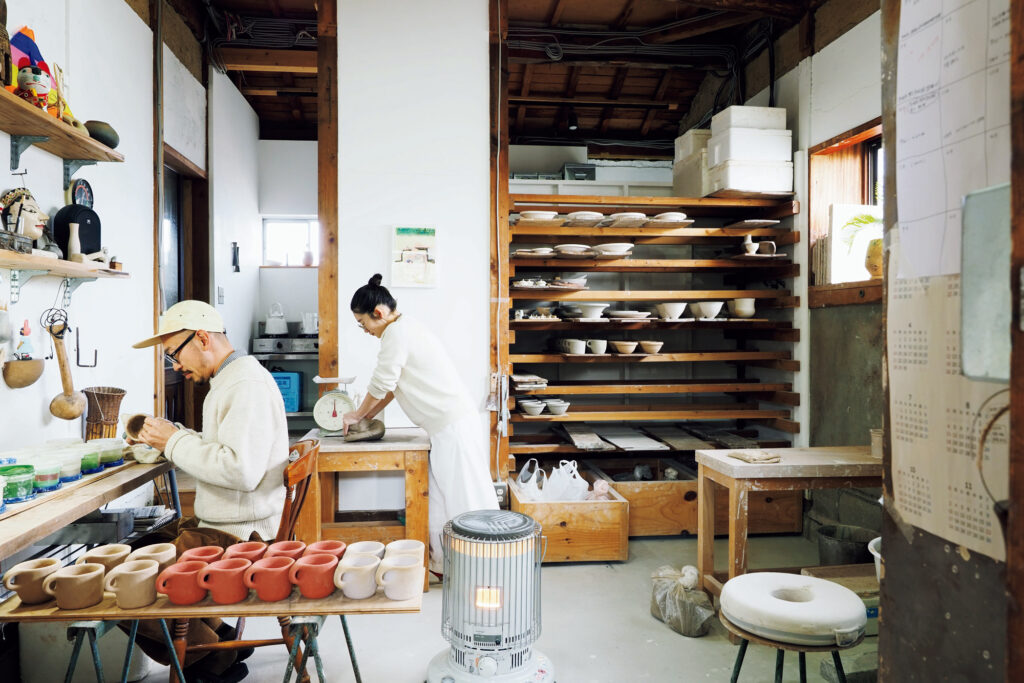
x,y
460,480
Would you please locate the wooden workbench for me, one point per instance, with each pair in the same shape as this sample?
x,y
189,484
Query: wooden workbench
x,y
404,449
798,469
22,524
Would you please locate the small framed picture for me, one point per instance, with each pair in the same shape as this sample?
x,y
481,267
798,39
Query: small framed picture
x,y
414,257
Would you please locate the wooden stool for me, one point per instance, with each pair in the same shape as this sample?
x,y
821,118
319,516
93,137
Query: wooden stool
x,y
747,637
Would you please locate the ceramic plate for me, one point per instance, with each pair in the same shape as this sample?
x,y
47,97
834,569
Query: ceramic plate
x,y
627,314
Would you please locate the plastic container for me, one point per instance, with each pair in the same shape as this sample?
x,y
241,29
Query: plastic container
x,y
3,483
750,144
690,176
47,475
70,460
290,384
752,176
691,142
875,548
90,459
739,116
18,482
844,544
111,451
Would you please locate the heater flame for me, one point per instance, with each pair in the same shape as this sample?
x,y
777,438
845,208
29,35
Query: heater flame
x,y
488,597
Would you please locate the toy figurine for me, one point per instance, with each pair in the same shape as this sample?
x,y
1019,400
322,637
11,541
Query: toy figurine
x,y
24,350
21,214
34,81
33,86
6,62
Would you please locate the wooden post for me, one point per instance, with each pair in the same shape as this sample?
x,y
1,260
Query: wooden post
x,y
739,510
327,186
705,527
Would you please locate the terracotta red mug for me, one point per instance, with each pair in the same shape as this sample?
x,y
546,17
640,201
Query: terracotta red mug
x,y
314,575
269,578
330,547
180,584
292,549
223,579
204,553
250,550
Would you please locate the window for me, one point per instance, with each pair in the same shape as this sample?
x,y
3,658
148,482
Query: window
x,y
845,205
286,241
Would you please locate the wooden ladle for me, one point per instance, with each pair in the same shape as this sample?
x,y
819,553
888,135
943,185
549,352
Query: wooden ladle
x,y
70,404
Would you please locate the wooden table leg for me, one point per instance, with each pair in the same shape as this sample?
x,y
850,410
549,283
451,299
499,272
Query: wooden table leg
x,y
705,527
179,642
417,504
738,523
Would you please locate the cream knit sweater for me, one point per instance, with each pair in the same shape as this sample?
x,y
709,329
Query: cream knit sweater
x,y
239,459
413,364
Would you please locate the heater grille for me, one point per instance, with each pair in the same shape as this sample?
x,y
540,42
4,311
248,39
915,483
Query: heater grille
x,y
491,601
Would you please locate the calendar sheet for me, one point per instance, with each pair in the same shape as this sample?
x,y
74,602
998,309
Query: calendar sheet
x,y
952,122
937,417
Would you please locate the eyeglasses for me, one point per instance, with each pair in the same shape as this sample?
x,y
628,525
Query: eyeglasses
x,y
172,357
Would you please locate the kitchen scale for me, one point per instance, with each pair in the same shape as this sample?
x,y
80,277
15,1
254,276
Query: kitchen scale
x,y
330,408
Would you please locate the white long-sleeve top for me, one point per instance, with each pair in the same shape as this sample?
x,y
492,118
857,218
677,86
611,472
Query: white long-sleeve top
x,y
413,364
239,459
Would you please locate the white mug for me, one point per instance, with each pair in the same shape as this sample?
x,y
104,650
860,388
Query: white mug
x,y
575,346
355,576
405,546
365,548
597,345
400,576
742,308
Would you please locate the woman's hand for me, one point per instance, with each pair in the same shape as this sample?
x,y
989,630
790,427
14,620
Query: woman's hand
x,y
349,419
156,431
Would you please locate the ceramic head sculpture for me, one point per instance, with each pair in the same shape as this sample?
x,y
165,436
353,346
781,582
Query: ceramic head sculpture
x,y
22,214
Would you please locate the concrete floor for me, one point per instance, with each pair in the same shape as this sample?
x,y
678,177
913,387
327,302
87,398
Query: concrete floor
x,y
597,627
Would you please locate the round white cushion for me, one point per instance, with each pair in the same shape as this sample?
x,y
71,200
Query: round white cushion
x,y
791,608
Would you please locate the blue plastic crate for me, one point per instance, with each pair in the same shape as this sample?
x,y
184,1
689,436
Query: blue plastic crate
x,y
290,384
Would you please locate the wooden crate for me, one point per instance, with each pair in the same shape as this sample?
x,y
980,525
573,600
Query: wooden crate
x,y
579,531
667,508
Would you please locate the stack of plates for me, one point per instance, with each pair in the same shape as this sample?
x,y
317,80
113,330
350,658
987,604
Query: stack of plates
x,y
613,250
573,251
627,314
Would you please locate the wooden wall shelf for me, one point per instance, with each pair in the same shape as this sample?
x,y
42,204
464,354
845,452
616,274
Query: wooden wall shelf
x,y
18,117
662,387
776,269
60,267
649,295
689,357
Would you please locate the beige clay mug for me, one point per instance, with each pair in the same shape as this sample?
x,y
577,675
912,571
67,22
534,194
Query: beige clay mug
x,y
766,247
26,579
109,555
133,425
401,576
405,546
133,583
355,576
365,548
77,586
163,554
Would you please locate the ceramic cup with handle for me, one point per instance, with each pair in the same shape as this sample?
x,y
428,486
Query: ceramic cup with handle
x,y
203,553
365,548
269,578
292,549
766,247
249,550
109,555
180,583
163,554
575,346
26,579
405,546
401,576
356,576
77,586
133,583
329,546
224,580
597,345
313,574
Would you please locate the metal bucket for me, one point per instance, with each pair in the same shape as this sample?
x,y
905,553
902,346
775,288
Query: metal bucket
x,y
844,544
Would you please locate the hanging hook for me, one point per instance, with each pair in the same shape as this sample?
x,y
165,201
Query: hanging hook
x,y
78,352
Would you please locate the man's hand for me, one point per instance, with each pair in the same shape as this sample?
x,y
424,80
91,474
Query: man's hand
x,y
156,431
349,419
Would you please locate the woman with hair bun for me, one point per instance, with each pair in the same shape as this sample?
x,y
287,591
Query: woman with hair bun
x,y
414,368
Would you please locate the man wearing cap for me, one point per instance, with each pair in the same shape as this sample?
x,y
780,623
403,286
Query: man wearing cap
x,y
238,460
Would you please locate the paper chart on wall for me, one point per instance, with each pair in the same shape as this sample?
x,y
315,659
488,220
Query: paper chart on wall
x,y
952,122
936,420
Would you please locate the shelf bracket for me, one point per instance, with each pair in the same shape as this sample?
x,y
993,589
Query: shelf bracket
x,y
70,285
71,167
19,143
18,280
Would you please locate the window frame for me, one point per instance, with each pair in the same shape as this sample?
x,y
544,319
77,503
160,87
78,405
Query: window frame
x,y
308,221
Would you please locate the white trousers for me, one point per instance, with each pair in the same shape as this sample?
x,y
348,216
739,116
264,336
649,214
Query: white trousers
x,y
460,478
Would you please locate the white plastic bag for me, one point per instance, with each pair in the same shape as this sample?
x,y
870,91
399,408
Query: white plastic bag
x,y
565,483
531,481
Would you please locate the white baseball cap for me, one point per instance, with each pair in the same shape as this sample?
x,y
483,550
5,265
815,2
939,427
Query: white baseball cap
x,y
185,315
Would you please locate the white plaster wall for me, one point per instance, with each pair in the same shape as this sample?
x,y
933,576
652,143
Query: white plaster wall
x,y
234,206
287,177
111,314
294,288
184,110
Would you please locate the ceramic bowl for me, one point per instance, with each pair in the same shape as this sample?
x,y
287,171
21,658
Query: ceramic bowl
x,y
589,310
571,248
585,216
548,400
538,215
532,408
558,408
542,251
671,216
613,247
623,346
575,281
671,310
628,215
742,308
651,346
707,309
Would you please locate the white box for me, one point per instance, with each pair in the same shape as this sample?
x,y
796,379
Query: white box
x,y
690,176
738,116
750,144
752,176
691,142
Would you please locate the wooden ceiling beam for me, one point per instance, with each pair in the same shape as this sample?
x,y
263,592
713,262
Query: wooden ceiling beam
x,y
524,91
716,22
277,91
250,59
604,121
556,13
519,56
624,16
587,100
573,82
791,9
659,94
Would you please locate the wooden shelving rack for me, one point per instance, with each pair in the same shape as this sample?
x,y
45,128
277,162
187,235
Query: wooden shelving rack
x,y
735,399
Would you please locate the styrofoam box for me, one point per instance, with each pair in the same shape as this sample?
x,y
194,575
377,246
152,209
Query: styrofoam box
x,y
690,176
691,142
752,176
738,116
750,144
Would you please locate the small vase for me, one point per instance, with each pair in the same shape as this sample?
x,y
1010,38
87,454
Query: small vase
x,y
874,260
74,245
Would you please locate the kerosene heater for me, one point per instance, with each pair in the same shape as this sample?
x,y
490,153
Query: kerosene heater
x,y
491,603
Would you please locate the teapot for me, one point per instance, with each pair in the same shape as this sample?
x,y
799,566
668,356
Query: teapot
x,y
276,324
